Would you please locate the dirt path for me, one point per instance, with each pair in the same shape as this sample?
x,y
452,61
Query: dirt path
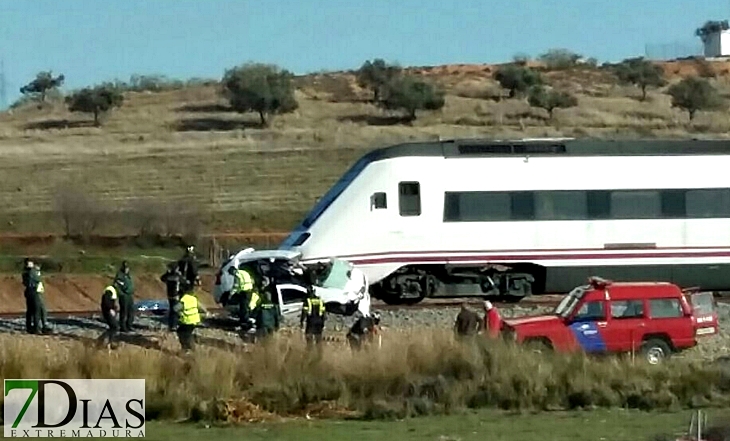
x,y
75,292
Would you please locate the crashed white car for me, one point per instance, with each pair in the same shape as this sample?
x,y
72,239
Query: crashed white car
x,y
342,287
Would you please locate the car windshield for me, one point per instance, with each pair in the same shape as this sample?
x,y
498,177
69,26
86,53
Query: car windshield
x,y
338,275
567,305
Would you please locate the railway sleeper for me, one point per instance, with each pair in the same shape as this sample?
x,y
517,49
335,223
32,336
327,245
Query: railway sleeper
x,y
410,285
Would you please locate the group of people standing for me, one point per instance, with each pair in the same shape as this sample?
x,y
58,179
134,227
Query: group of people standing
x,y
117,302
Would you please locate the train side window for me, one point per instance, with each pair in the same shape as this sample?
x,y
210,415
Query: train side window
x,y
409,198
379,200
599,204
636,204
708,203
561,205
523,205
477,206
673,204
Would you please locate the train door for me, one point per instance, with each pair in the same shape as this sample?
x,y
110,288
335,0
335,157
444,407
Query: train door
x,y
409,229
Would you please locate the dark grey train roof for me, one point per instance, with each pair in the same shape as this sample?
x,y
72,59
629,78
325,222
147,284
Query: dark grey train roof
x,y
552,146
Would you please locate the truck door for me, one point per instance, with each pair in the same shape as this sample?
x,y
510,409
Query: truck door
x,y
588,324
668,315
626,325
705,313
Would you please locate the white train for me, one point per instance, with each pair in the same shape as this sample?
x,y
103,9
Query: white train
x,y
440,218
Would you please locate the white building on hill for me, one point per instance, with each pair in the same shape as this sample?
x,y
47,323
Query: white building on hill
x,y
715,36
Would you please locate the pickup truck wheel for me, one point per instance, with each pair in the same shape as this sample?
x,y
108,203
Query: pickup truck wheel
x,y
655,351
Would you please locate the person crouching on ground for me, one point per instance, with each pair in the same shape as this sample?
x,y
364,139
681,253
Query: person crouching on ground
x,y
363,331
110,312
492,320
188,310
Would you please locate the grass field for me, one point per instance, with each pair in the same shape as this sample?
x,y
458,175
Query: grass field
x,y
416,387
597,425
182,150
426,373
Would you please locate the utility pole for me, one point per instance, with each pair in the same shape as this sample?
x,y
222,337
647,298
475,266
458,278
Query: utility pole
x,y
3,91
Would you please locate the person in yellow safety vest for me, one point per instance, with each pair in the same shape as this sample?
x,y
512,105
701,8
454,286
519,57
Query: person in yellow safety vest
x,y
248,297
41,314
188,310
313,311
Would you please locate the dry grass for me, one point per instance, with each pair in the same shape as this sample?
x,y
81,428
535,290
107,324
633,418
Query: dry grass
x,y
184,145
410,375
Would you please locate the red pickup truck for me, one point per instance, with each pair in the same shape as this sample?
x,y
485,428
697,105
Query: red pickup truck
x,y
654,319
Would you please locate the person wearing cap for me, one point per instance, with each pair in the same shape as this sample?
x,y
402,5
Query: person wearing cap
x,y
125,290
492,320
110,312
188,265
268,315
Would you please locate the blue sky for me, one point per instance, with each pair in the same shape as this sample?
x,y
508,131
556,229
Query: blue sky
x,y
97,40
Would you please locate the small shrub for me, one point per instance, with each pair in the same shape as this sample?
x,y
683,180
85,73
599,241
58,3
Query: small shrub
x,y
551,99
261,88
410,94
517,79
641,73
693,94
97,100
559,59
375,75
43,83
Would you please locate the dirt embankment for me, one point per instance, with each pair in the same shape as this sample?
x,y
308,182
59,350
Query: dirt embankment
x,y
74,292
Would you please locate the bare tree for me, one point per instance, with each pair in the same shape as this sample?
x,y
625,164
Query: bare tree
x,y
80,213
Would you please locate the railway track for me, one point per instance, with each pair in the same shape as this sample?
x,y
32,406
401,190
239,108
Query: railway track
x,y
530,302
377,305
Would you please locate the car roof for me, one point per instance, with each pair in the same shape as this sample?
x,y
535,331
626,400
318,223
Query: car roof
x,y
247,256
634,290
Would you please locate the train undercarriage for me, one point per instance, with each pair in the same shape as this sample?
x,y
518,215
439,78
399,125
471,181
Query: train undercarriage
x,y
411,284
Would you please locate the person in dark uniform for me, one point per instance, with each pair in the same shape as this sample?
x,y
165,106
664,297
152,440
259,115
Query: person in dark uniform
x,y
313,311
468,323
363,331
31,319
41,313
125,290
268,316
188,265
172,279
110,312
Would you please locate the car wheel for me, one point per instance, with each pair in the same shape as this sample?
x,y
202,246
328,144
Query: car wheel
x,y
655,351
